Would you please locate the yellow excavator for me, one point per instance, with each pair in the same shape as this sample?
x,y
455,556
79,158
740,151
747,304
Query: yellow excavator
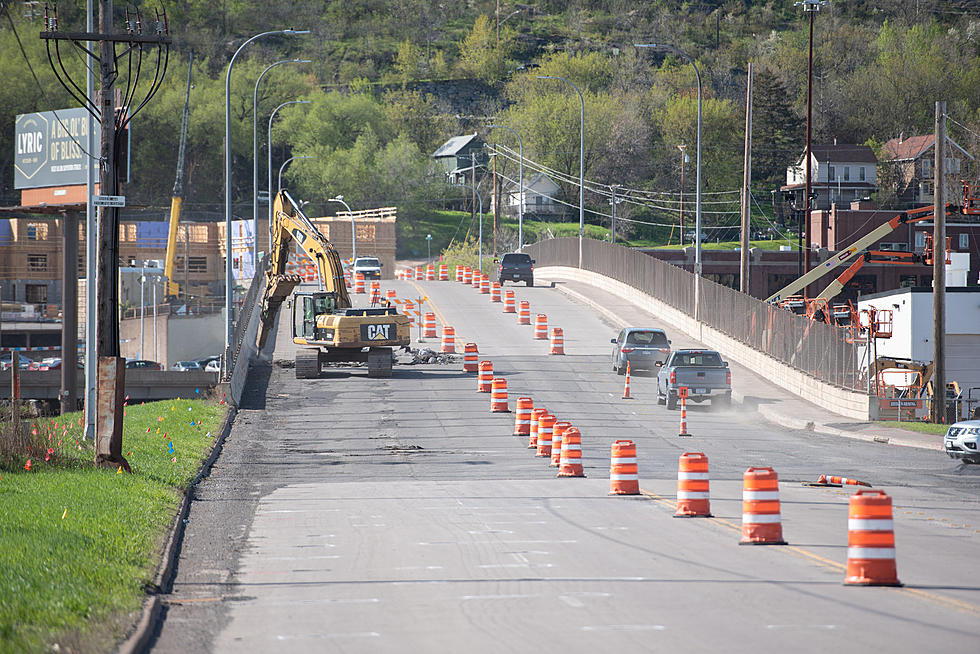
x,y
324,322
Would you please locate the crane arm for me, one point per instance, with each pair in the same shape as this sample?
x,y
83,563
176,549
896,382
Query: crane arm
x,y
178,195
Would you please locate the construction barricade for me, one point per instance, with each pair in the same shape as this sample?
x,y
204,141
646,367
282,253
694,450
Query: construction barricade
x,y
477,278
410,312
498,396
484,378
419,273
761,520
467,275
693,495
546,423
522,417
571,454
458,273
430,273
557,341
390,294
541,327
484,285
536,413
524,314
870,540
495,291
429,325
359,282
509,303
443,272
624,474
557,434
448,339
471,357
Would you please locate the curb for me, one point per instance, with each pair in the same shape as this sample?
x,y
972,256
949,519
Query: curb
x,y
141,635
769,414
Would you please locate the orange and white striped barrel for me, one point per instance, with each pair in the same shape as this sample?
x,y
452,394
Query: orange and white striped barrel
x,y
870,540
390,294
546,423
410,312
448,339
484,378
484,285
624,474
477,278
443,272
375,296
467,275
419,273
571,454
557,434
557,341
693,493
524,313
541,327
761,521
498,396
347,283
509,302
536,414
429,325
840,481
358,282
430,273
522,418
471,357
495,291
458,273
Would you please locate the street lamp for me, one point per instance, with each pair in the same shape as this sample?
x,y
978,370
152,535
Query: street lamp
x,y
255,153
480,200
228,262
684,159
581,165
271,116
520,208
353,228
660,47
428,245
142,305
283,167
810,7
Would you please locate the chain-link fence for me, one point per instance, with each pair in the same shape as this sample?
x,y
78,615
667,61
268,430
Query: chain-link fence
x,y
245,314
824,351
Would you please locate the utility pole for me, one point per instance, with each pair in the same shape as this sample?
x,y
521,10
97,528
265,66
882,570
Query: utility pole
x,y
613,187
743,281
69,313
939,270
496,203
682,147
473,192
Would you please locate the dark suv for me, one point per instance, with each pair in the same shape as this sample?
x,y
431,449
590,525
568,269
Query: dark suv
x,y
516,267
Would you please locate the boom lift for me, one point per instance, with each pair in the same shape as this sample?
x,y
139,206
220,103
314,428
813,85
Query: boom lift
x,y
323,321
172,289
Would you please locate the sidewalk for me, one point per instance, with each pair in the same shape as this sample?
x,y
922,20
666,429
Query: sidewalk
x,y
772,402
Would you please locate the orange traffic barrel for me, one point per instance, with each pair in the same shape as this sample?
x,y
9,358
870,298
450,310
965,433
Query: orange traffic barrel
x,y
495,291
443,272
484,378
477,278
448,339
761,522
467,275
376,285
571,454
358,282
498,396
459,273
471,356
419,273
557,434
870,540
524,315
536,414
624,474
390,294
557,341
509,302
484,285
546,424
375,296
693,499
541,327
522,419
429,325
430,273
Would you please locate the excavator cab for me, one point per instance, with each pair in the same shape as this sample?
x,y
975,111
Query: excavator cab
x,y
306,307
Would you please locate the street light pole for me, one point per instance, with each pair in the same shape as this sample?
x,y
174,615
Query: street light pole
x,y
581,165
142,306
271,117
810,7
255,153
682,147
428,246
480,200
228,258
520,208
283,167
660,47
353,227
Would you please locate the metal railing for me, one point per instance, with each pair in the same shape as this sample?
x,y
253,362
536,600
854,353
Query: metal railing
x,y
245,310
824,351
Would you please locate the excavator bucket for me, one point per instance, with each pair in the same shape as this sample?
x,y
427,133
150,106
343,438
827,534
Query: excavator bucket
x,y
276,291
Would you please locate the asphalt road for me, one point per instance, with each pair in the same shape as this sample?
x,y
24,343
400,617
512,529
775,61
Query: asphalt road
x,y
349,514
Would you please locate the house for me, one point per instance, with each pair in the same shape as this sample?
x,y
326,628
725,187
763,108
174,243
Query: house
x,y
909,162
541,195
841,173
457,156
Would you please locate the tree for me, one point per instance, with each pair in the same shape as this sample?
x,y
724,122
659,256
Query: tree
x,y
777,133
481,56
407,64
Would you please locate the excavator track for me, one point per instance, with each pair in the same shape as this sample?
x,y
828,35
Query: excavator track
x,y
307,363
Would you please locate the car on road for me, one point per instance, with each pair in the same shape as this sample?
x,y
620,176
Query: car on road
x,y
703,373
370,267
206,360
516,267
213,366
641,348
962,441
143,364
186,365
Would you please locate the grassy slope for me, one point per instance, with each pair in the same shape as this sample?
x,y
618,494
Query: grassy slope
x,y
921,427
79,544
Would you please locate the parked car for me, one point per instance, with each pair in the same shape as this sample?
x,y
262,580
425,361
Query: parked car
x,y
642,348
703,372
206,360
213,366
143,364
370,267
963,441
22,362
516,267
186,365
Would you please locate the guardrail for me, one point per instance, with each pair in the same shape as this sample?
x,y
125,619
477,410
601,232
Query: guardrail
x,y
823,351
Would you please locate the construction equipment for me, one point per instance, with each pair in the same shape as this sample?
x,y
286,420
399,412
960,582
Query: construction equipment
x,y
324,321
172,289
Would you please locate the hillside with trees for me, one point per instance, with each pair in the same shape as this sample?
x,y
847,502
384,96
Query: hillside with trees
x,y
390,81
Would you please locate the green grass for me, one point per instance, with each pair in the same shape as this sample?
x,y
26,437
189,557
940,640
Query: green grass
x,y
79,544
921,427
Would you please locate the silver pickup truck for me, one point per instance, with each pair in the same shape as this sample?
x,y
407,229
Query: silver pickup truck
x,y
703,372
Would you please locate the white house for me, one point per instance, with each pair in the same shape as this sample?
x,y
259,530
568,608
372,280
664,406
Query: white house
x,y
540,197
841,173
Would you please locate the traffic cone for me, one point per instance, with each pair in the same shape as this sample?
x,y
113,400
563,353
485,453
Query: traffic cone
x,y
624,478
498,396
448,339
536,413
545,425
484,378
471,357
683,397
626,390
692,486
571,454
870,540
761,522
826,480
522,418
557,435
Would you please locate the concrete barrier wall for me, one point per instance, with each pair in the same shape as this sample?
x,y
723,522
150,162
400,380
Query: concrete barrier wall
x,y
840,401
240,374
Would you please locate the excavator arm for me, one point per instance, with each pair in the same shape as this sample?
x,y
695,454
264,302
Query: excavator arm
x,y
291,224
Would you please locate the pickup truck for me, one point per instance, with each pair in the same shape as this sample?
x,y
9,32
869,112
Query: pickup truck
x,y
703,372
370,267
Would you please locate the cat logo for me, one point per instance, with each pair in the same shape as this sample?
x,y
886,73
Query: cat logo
x,y
376,332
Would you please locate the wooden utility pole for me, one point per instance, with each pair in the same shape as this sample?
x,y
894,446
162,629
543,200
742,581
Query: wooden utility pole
x,y
69,313
496,203
743,282
612,227
473,189
939,270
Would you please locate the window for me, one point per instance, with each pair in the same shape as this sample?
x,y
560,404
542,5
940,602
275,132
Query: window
x,y
920,240
37,262
847,173
926,167
907,281
197,264
36,293
830,173
37,231
32,232
964,241
861,173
